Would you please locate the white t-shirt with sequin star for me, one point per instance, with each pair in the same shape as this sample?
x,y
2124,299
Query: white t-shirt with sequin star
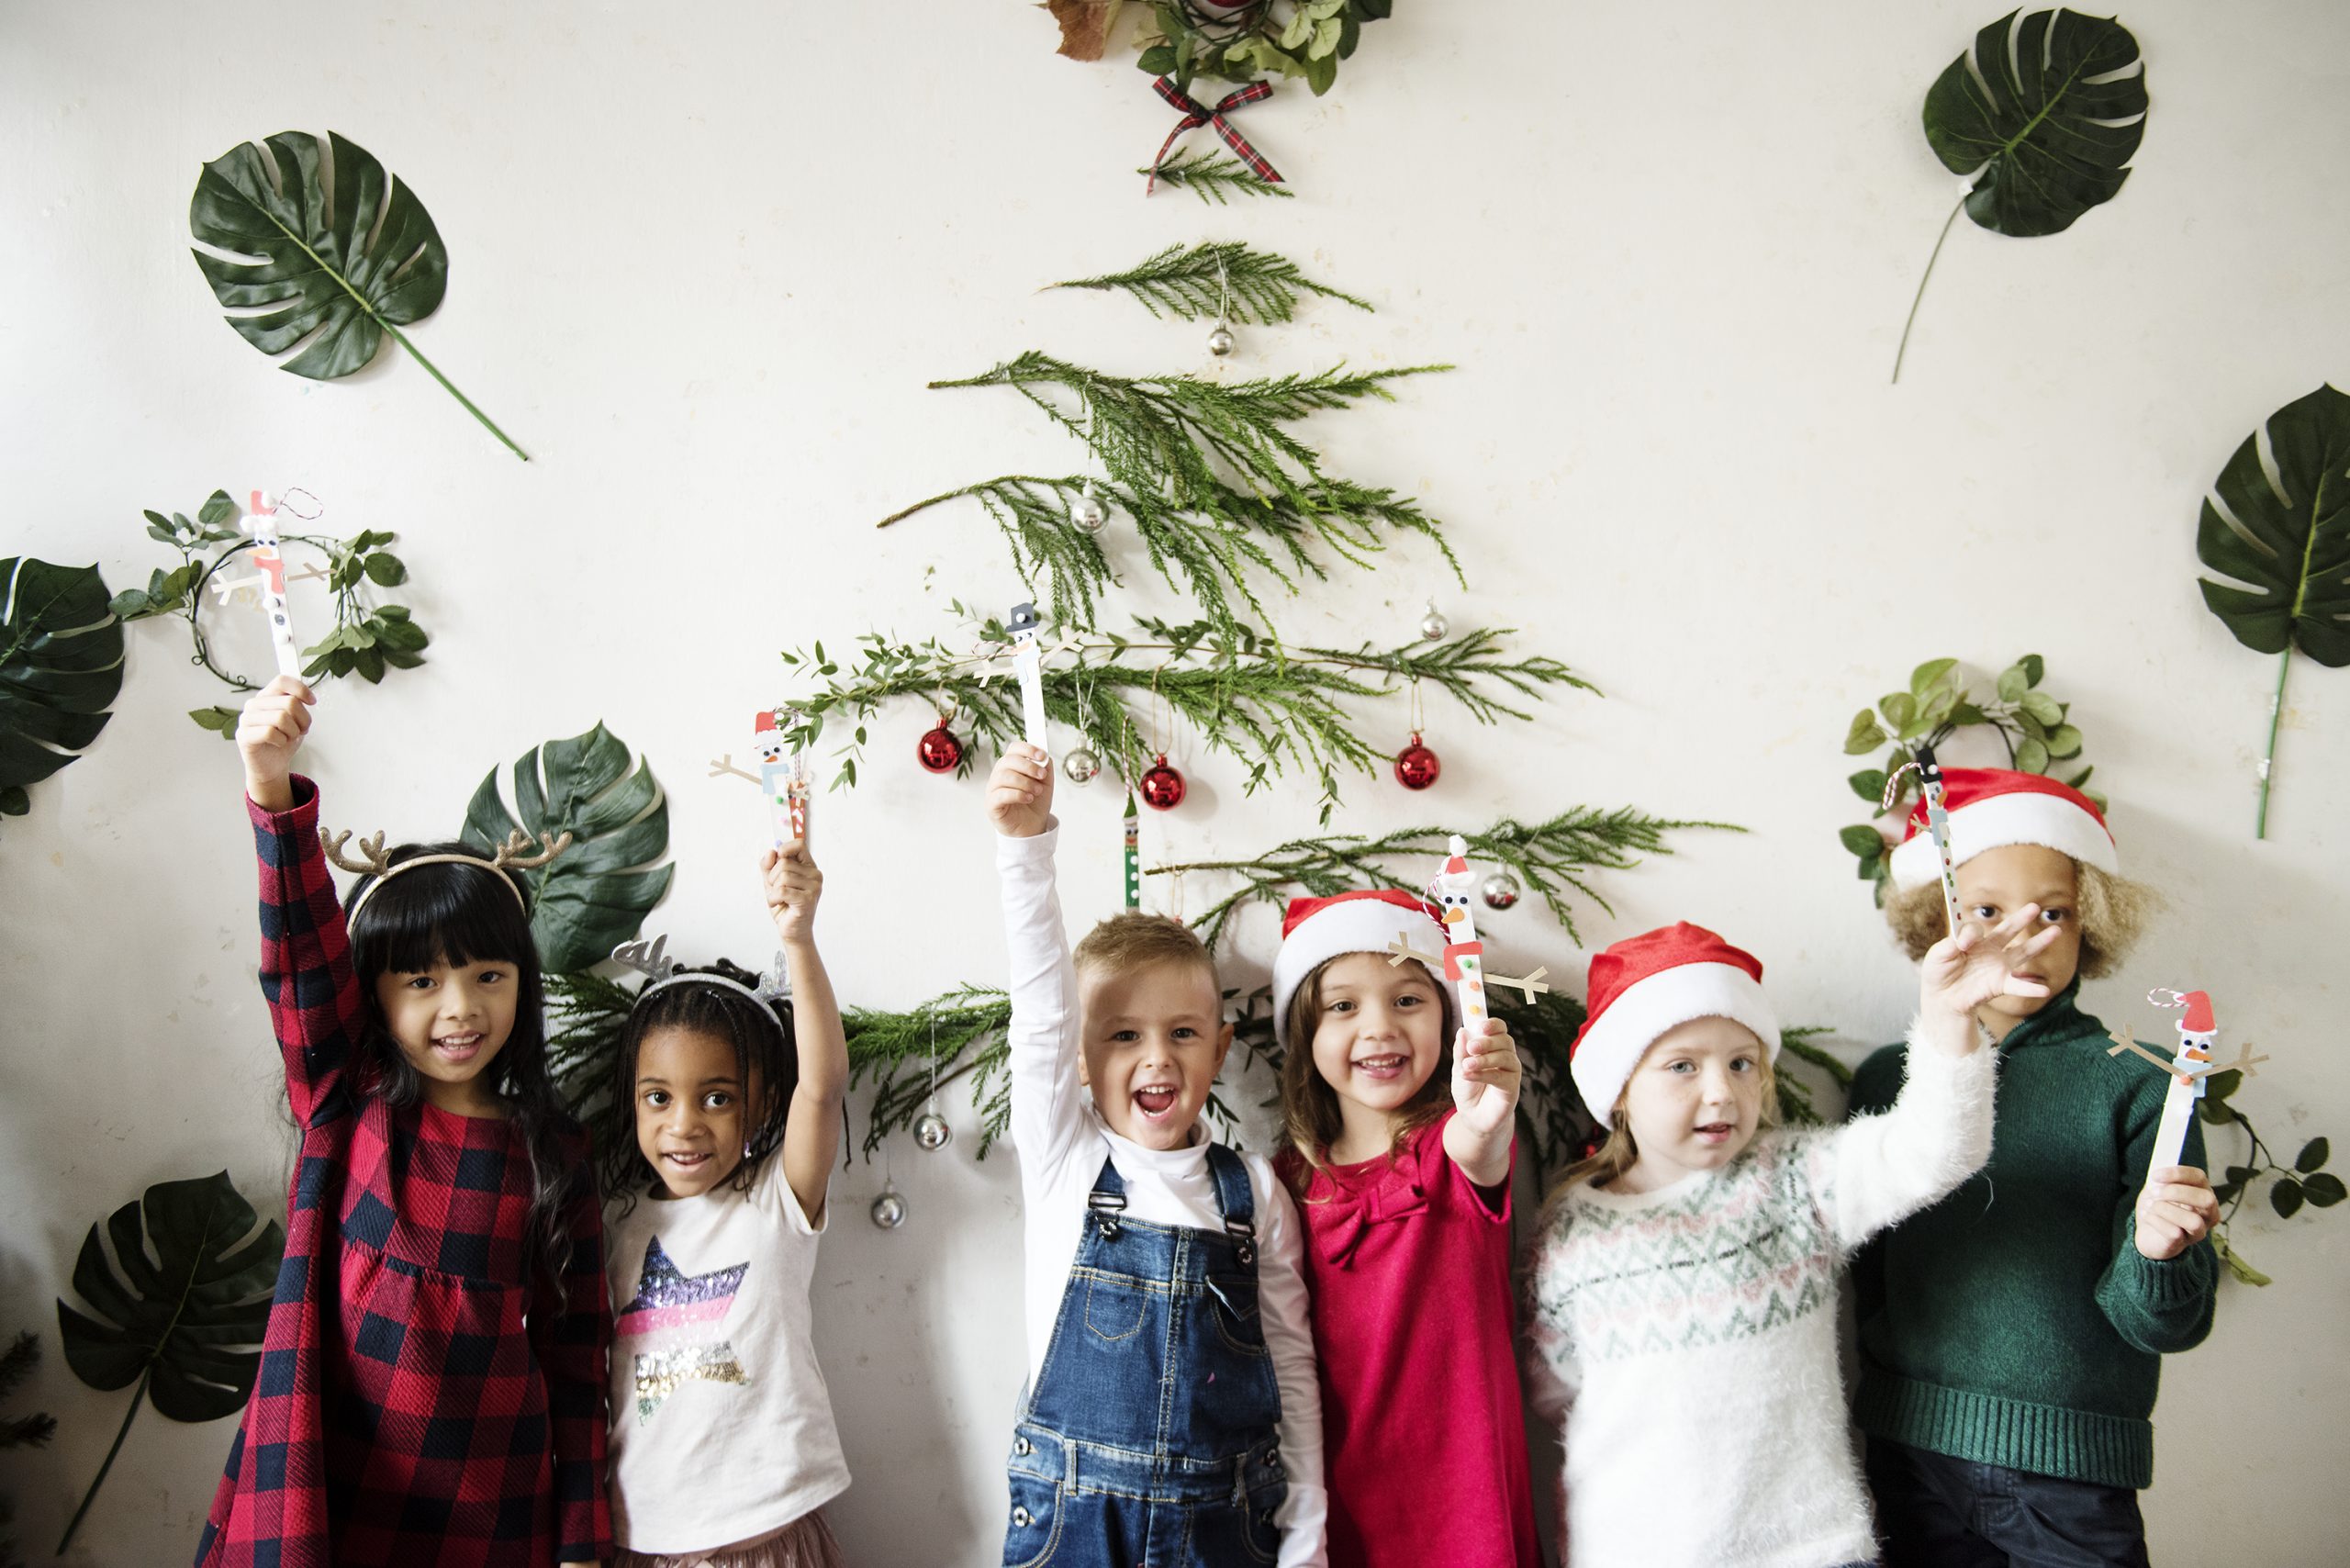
x,y
721,1426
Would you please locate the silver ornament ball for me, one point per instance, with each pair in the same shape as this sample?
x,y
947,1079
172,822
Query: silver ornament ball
x,y
1088,514
1501,890
932,1132
888,1210
1221,341
1433,625
1081,764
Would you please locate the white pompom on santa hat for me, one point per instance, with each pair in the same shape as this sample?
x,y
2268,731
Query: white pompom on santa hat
x,y
1657,980
1991,808
1369,920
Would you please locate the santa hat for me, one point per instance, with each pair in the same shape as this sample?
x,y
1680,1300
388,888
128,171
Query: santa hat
x,y
1991,808
1645,985
1367,921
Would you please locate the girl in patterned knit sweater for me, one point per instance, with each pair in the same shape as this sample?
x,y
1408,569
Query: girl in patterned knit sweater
x,y
431,1383
1682,1288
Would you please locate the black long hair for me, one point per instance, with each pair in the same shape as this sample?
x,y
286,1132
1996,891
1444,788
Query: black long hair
x,y
455,914
761,1034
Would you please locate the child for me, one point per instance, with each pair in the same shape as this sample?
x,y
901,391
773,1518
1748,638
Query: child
x,y
726,1114
431,1383
1401,1174
1684,1285
2011,1337
1171,1413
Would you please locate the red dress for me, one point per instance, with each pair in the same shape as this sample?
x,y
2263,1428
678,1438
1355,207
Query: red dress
x,y
409,1409
1415,1328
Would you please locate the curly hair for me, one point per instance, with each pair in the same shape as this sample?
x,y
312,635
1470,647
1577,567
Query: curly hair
x,y
2113,913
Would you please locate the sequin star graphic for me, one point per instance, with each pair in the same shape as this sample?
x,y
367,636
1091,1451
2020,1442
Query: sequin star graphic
x,y
679,1313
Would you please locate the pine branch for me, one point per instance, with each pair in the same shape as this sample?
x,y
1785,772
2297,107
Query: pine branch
x,y
1550,1112
1207,553
1796,1106
1180,430
1216,279
964,1030
15,1365
1271,708
587,1014
1213,177
1552,858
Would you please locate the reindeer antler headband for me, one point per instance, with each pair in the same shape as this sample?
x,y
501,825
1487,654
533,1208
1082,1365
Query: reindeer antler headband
x,y
650,959
512,856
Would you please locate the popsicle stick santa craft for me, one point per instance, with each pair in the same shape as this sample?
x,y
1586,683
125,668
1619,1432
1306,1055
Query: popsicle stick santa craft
x,y
2190,1071
268,580
783,778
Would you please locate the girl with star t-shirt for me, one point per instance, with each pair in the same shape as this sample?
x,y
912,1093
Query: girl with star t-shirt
x,y
725,1115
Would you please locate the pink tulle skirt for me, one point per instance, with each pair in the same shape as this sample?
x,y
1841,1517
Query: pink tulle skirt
x,y
806,1542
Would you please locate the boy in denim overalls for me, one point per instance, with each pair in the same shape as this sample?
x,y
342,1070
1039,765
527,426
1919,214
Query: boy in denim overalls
x,y
1171,1415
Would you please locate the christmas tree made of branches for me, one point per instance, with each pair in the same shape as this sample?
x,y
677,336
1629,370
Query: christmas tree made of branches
x,y
1208,482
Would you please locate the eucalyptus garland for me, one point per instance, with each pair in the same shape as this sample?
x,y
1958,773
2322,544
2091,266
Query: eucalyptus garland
x,y
1300,39
368,639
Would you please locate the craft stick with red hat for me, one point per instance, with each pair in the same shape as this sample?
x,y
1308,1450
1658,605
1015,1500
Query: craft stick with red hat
x,y
2190,1071
783,778
1463,958
268,579
1936,804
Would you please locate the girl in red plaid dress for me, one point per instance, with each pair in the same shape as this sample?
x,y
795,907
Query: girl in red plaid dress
x,y
431,1383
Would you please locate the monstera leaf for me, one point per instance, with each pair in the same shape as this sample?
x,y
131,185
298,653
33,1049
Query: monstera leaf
x,y
61,665
182,1292
2036,114
2287,537
344,251
594,895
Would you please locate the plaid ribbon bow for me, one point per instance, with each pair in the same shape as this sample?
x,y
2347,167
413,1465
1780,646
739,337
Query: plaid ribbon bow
x,y
1198,114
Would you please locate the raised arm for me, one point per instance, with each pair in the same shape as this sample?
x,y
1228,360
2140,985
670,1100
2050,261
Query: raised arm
x,y
2160,1288
1047,1099
811,1130
1881,1168
315,1006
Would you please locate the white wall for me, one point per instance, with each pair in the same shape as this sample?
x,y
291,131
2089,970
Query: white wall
x,y
704,262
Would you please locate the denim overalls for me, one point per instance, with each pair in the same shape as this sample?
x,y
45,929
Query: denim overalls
x,y
1148,1440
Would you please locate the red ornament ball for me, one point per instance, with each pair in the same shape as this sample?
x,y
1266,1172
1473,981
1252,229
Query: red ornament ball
x,y
938,751
1417,767
1162,787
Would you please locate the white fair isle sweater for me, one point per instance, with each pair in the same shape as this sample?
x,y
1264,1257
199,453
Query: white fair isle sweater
x,y
1062,1141
1688,1335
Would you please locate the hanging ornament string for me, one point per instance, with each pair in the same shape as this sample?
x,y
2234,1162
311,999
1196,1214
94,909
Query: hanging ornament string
x,y
933,1132
1417,767
1196,114
1221,341
1163,787
1083,762
317,507
1087,513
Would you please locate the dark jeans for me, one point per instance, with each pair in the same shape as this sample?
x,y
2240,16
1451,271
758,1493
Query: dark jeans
x,y
1938,1512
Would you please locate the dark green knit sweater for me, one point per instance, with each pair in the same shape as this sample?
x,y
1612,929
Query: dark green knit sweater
x,y
2015,1322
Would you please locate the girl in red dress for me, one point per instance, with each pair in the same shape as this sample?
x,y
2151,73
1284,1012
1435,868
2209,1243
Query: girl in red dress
x,y
432,1382
1402,1177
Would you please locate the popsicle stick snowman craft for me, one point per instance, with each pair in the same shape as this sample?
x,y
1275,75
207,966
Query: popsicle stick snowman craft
x,y
267,581
1463,960
783,778
2190,1071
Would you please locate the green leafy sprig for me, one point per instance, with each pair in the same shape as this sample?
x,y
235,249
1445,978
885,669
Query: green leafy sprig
x,y
1216,279
1551,858
1215,178
1271,708
1175,431
368,639
1796,1106
1303,40
1208,551
2306,1182
2034,727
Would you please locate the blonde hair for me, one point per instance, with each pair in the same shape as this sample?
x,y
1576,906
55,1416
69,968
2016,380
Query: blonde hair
x,y
1310,1116
2113,912
1133,940
1619,1151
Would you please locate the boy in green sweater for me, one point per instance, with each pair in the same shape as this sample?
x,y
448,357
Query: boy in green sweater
x,y
2011,1336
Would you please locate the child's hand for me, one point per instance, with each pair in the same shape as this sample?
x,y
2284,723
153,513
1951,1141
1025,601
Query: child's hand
x,y
2176,1210
793,886
268,734
1020,791
1485,1074
1961,973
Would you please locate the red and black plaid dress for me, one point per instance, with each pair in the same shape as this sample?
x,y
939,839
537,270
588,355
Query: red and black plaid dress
x,y
409,1410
